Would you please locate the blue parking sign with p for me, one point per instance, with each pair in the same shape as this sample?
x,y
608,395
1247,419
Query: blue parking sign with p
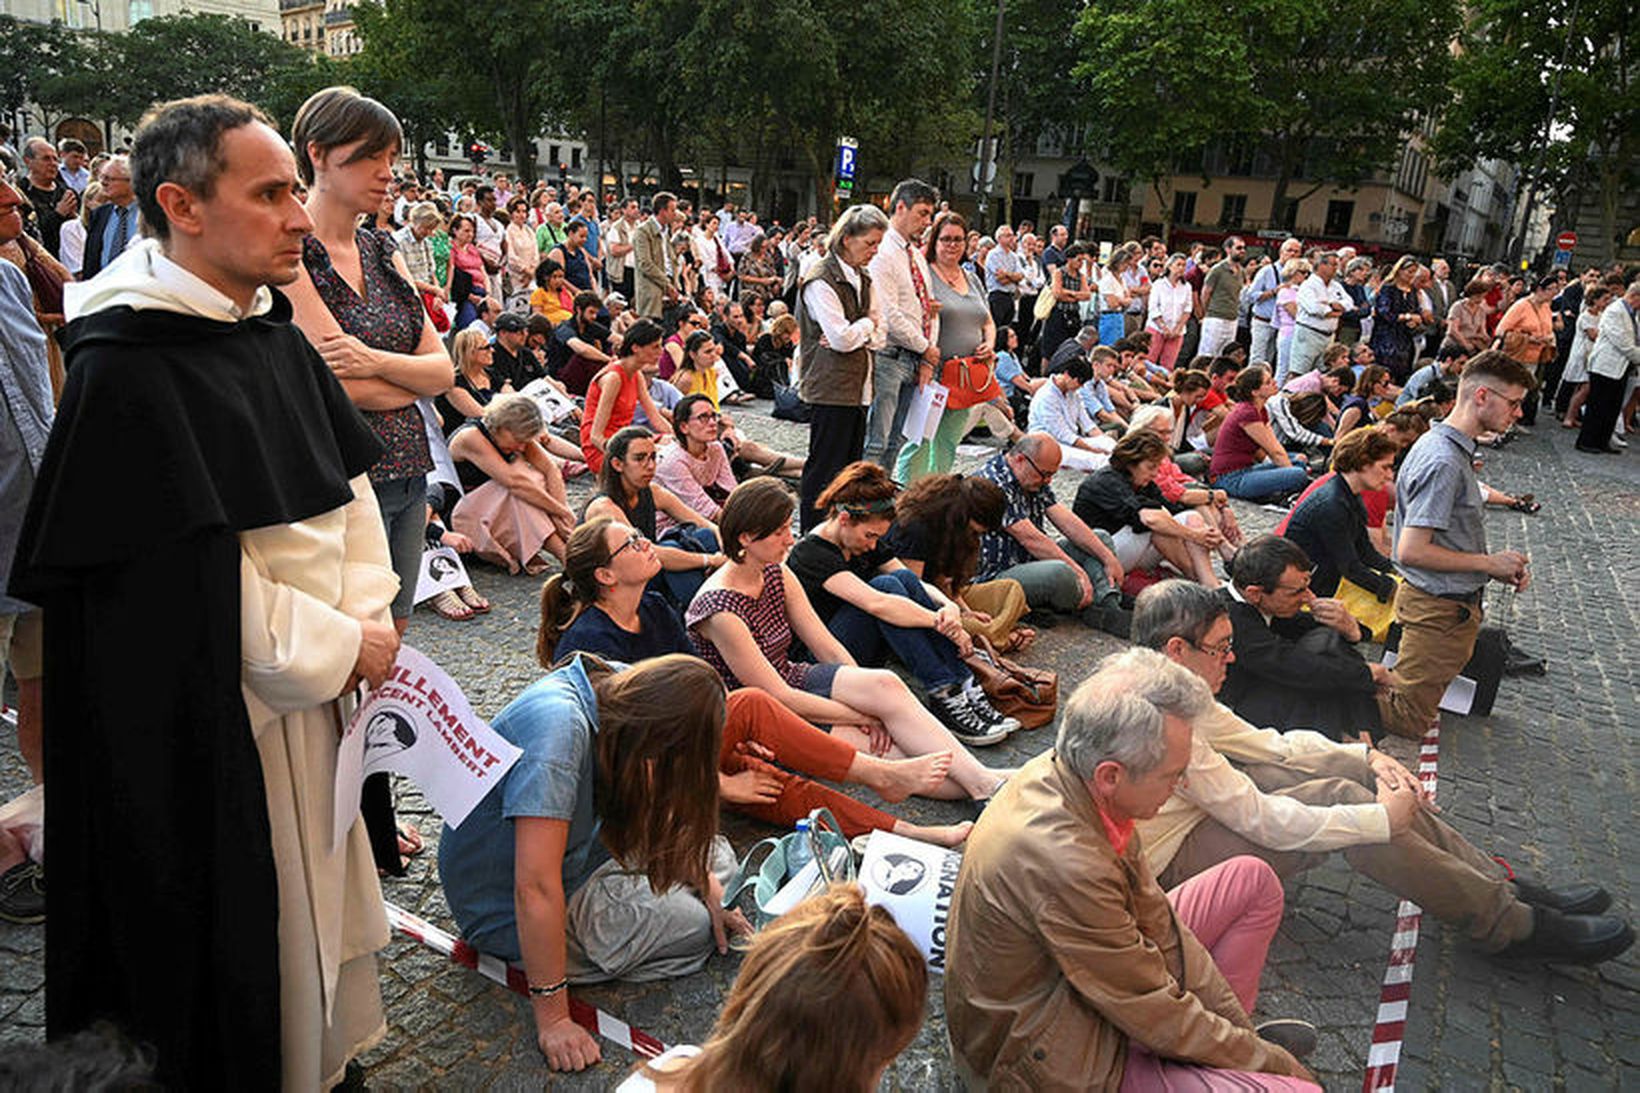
x,y
846,154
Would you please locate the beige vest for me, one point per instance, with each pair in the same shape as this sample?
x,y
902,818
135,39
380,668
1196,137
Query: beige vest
x,y
830,378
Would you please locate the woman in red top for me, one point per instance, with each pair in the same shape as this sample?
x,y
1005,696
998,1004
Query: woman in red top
x,y
617,389
1248,461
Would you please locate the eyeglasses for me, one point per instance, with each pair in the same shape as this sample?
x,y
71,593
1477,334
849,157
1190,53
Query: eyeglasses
x,y
637,541
1293,590
1044,475
1221,650
704,415
1514,403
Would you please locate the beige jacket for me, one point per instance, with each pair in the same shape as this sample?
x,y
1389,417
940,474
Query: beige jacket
x,y
1061,952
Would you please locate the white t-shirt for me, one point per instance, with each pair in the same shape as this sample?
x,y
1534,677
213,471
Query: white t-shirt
x,y
638,1082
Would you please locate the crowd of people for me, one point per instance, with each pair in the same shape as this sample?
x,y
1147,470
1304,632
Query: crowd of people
x,y
344,366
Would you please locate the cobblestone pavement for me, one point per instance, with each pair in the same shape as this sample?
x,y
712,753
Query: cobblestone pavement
x,y
1547,782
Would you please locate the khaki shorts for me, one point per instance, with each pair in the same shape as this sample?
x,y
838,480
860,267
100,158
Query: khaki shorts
x,y
20,645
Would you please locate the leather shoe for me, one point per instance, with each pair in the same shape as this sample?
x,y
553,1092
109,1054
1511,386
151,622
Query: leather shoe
x,y
1571,939
1297,1036
1596,451
1571,899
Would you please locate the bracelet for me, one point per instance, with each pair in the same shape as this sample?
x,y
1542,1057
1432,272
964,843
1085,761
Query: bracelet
x,y
548,992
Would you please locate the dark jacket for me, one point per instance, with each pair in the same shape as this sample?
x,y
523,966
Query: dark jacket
x,y
1297,674
1331,526
95,259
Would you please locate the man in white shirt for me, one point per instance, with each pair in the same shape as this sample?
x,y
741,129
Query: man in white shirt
x,y
1003,277
1321,300
1294,797
903,288
620,265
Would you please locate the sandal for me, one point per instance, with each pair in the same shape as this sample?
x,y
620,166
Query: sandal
x,y
410,843
469,596
1526,503
449,605
574,468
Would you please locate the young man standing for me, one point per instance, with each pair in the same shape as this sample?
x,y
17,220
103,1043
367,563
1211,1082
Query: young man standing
x,y
1440,543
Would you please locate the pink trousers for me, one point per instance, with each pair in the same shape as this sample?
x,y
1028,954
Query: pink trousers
x,y
1233,909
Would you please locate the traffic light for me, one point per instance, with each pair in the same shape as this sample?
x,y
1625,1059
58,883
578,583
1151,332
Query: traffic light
x,y
478,152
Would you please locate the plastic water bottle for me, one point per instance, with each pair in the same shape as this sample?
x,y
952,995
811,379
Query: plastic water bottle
x,y
801,849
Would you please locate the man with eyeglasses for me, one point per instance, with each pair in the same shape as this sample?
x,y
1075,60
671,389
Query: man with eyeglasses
x,y
1294,797
904,286
113,224
1076,573
1440,542
1296,668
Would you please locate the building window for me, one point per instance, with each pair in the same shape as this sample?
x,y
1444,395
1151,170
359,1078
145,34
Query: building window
x,y
1115,190
1233,210
1184,207
1339,215
1024,183
1287,215
575,159
138,10
552,154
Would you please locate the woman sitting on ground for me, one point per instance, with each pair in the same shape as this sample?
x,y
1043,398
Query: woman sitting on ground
x,y
832,956
456,604
773,354
597,857
1248,461
1180,488
1372,386
744,620
554,296
874,606
696,468
698,375
618,389
515,506
626,492
937,524
1331,524
1122,499
697,371
465,400
1299,418
600,605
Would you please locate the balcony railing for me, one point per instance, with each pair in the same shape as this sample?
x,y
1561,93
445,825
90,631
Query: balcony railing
x,y
300,5
339,17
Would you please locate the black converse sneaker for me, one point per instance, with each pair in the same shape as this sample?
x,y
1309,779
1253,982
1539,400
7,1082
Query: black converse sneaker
x,y
957,714
981,702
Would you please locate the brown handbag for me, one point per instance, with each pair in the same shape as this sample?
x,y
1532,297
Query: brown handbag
x,y
1029,695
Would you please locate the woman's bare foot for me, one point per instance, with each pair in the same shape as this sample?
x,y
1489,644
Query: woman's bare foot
x,y
943,835
896,779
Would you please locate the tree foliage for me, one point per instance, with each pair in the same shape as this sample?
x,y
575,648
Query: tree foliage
x,y
1330,92
1504,78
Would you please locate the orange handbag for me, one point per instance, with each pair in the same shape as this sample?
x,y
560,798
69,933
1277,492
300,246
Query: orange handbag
x,y
970,380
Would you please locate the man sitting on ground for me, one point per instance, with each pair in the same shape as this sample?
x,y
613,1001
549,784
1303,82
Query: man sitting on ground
x,y
1296,669
1296,796
1067,965
1077,573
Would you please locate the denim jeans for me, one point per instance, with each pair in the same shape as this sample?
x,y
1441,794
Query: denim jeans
x,y
1262,481
403,505
929,654
1263,350
893,383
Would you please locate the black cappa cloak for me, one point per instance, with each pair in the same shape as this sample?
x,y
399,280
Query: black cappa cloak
x,y
174,433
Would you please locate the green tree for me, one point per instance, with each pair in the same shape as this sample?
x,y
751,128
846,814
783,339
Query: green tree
x,y
1163,76
1505,74
48,66
223,54
1329,93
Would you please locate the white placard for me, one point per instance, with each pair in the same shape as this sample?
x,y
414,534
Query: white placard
x,y
927,407
555,405
441,571
1460,693
420,725
914,881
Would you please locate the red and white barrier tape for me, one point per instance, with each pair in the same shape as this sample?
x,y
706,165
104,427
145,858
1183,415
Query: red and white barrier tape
x,y
589,1017
1384,1056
